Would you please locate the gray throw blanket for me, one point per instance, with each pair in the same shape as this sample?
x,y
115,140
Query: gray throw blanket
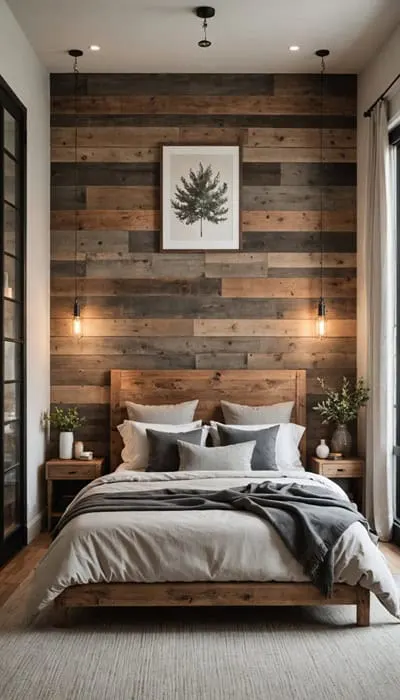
x,y
307,518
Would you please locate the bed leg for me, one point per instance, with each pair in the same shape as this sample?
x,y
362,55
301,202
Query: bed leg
x,y
363,600
61,613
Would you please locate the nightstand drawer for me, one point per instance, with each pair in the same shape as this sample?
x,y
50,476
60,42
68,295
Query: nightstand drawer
x,y
337,471
72,471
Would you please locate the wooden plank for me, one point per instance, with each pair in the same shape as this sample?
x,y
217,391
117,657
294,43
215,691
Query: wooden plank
x,y
65,286
92,353
301,138
106,136
299,241
196,104
192,307
204,594
309,260
80,394
223,360
297,287
296,198
306,360
122,197
310,84
236,264
328,174
95,327
272,327
150,266
109,174
106,155
298,155
133,219
340,221
105,241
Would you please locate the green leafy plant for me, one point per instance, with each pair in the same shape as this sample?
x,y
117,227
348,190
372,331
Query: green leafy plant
x,y
342,406
66,420
201,197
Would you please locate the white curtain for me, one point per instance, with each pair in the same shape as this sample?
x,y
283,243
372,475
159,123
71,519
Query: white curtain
x,y
380,283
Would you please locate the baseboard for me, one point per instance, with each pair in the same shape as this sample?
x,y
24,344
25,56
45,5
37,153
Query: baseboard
x,y
35,526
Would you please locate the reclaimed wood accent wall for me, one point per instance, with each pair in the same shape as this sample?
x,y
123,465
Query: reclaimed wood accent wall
x,y
250,309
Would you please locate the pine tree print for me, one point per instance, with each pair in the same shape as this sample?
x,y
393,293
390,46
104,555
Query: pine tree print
x,y
201,197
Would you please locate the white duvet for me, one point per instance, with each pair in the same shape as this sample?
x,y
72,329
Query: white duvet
x,y
205,545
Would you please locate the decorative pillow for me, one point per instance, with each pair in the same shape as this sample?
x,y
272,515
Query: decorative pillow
x,y
264,456
135,453
229,458
163,448
168,413
287,455
238,414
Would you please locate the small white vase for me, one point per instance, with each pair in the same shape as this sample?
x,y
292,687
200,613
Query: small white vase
x,y
322,450
66,443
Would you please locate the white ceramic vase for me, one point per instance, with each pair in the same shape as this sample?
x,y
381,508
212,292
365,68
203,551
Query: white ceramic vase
x,y
322,450
66,443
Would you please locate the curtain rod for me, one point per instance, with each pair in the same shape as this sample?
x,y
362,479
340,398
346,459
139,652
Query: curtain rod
x,y
367,113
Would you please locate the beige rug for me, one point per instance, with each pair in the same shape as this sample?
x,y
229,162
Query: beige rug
x,y
270,654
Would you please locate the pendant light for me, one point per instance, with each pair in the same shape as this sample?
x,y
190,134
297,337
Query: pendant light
x,y
321,307
76,321
205,12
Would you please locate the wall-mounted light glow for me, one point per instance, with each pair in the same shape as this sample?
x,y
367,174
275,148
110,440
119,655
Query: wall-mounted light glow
x,y
94,47
294,47
321,319
76,322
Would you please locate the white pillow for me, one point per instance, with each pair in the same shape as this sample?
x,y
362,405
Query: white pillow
x,y
136,445
239,414
227,458
287,454
165,413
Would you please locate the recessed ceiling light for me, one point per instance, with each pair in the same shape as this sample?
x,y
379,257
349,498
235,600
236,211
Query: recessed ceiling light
x,y
94,47
294,48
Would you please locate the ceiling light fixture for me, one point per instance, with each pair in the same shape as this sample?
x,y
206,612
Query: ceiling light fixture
x,y
204,12
94,47
321,307
76,319
294,48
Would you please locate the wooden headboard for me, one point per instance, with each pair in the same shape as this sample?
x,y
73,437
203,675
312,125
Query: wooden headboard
x,y
251,387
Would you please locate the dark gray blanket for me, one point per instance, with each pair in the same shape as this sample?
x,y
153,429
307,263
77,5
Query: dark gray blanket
x,y
307,518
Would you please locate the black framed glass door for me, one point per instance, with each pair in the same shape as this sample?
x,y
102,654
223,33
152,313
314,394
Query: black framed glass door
x,y
12,314
394,139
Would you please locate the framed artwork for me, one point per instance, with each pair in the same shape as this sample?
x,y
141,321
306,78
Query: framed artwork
x,y
200,198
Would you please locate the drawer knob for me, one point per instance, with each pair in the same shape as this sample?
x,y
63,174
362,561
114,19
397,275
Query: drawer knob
x,y
340,469
72,472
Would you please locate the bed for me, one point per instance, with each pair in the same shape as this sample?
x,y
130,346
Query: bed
x,y
111,588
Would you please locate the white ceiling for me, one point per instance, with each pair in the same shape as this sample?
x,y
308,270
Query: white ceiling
x,y
248,35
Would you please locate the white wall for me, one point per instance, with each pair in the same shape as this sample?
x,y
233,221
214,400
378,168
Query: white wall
x,y
374,79
21,69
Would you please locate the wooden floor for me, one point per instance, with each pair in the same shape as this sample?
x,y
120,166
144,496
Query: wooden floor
x,y
14,573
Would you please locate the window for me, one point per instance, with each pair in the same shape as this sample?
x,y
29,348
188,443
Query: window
x,y
395,143
12,311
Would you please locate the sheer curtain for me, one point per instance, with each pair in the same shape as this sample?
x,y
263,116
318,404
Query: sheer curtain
x,y
380,327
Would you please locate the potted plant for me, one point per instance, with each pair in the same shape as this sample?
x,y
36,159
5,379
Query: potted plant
x,y
341,407
66,421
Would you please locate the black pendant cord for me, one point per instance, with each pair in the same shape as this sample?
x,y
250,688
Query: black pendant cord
x,y
322,55
76,75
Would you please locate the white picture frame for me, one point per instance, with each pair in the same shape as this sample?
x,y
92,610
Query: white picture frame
x,y
200,198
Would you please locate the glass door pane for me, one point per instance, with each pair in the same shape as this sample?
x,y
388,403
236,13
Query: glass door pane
x,y
12,301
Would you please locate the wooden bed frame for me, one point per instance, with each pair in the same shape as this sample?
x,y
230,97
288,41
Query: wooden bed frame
x,y
252,387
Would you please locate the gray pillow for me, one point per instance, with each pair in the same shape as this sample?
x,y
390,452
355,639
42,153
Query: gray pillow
x,y
230,458
264,455
163,448
166,413
238,414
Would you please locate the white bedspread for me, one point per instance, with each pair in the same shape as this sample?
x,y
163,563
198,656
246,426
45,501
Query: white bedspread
x,y
195,545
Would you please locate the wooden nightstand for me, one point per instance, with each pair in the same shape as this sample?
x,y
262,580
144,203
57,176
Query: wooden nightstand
x,y
351,468
73,471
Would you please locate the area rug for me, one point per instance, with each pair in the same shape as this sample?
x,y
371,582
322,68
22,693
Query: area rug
x,y
209,654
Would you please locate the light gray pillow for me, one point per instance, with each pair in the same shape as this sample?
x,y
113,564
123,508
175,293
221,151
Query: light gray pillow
x,y
229,458
264,452
239,414
167,413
